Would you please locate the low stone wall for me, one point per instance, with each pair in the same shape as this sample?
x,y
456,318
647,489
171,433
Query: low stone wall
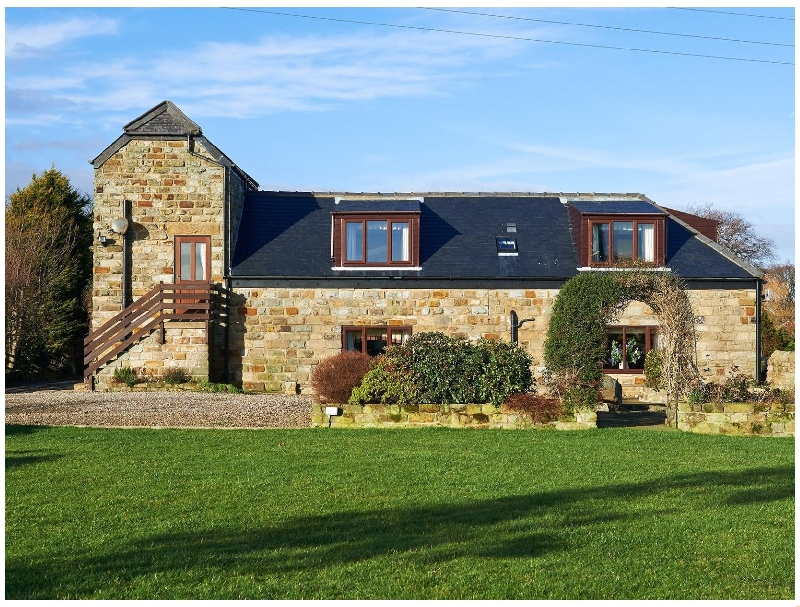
x,y
452,416
780,370
737,418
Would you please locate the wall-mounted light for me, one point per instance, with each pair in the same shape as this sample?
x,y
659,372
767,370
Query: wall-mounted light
x,y
103,240
119,226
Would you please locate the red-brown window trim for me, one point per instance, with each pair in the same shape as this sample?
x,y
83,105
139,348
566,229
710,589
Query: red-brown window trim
x,y
363,328
649,331
659,235
340,238
193,238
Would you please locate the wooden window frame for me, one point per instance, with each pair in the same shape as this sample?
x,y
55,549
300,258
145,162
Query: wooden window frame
x,y
659,238
193,238
340,221
363,328
649,331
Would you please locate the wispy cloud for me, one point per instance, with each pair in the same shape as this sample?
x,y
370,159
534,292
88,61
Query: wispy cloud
x,y
274,73
31,39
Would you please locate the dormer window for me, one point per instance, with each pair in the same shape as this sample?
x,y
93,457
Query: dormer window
x,y
617,232
369,234
377,242
621,241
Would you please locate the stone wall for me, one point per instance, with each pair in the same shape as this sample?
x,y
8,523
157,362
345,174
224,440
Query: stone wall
x,y
726,331
453,416
737,418
172,191
278,335
780,370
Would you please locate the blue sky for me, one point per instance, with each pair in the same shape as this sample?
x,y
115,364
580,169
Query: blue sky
x,y
529,103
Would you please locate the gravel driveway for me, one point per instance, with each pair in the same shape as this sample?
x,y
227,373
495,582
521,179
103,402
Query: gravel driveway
x,y
157,409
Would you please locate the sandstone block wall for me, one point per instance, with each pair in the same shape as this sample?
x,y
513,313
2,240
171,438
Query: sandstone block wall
x,y
737,418
452,416
726,331
172,191
278,335
780,370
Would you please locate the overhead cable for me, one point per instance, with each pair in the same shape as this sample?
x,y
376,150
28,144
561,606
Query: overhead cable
x,y
507,37
608,27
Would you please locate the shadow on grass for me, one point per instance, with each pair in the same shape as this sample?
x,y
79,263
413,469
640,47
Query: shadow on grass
x,y
505,527
17,430
26,458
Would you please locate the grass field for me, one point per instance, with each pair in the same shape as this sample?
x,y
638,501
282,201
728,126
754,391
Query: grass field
x,y
430,513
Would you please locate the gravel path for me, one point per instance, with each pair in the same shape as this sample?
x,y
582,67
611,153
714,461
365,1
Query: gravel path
x,y
157,409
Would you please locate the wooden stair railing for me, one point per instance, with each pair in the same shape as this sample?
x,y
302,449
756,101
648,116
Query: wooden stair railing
x,y
184,301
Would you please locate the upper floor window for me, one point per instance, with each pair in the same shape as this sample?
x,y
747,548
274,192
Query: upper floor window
x,y
618,232
377,241
620,241
375,234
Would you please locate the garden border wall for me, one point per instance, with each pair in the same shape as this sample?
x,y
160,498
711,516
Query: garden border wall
x,y
434,415
737,418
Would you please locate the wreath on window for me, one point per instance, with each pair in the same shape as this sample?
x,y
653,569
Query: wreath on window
x,y
633,350
616,353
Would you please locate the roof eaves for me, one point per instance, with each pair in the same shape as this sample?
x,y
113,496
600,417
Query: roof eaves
x,y
722,250
110,151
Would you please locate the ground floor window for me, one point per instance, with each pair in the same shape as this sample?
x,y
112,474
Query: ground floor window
x,y
373,340
626,348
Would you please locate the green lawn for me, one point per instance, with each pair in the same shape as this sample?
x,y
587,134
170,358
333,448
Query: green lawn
x,y
428,513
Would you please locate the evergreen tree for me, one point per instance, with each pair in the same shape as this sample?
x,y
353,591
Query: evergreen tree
x,y
48,235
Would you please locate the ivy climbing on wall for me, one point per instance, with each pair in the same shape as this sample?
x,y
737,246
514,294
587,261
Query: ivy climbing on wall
x,y
576,335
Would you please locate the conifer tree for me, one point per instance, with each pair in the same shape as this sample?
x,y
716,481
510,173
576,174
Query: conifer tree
x,y
48,236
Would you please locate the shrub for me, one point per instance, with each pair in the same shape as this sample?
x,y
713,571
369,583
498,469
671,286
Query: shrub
x,y
506,370
578,398
334,378
127,376
176,376
435,368
654,370
539,409
379,386
207,386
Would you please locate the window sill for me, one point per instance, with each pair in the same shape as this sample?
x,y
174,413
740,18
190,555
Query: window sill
x,y
622,269
376,268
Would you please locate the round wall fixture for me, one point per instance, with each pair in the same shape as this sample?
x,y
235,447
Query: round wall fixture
x,y
119,226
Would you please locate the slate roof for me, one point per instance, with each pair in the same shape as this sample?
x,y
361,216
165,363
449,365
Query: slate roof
x,y
285,234
289,235
617,206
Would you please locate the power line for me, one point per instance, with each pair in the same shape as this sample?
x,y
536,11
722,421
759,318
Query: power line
x,y
609,27
705,10
505,37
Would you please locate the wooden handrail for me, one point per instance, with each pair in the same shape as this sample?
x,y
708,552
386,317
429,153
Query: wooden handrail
x,y
182,301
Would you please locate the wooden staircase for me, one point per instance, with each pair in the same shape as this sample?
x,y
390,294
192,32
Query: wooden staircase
x,y
175,302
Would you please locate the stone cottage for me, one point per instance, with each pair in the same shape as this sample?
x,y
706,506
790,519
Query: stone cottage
x,y
195,268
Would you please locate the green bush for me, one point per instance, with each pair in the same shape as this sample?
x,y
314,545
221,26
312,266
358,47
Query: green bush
x,y
127,376
435,368
379,386
654,370
176,376
506,370
578,398
207,386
